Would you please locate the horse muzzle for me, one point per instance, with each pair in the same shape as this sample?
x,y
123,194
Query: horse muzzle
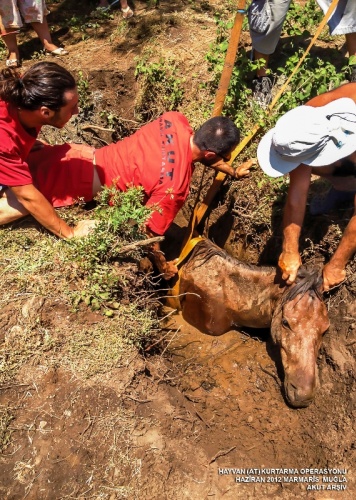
x,y
297,395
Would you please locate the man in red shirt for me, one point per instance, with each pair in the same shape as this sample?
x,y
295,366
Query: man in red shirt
x,y
159,157
45,94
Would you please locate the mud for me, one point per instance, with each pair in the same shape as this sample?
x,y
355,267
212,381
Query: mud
x,y
174,424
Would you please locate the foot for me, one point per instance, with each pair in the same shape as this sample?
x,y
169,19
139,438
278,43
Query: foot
x,y
12,63
127,12
57,51
262,90
325,203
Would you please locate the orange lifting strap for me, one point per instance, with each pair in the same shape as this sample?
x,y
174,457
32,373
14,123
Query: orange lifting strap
x,y
201,208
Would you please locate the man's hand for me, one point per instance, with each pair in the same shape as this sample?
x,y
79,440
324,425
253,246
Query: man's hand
x,y
289,263
243,170
332,276
83,228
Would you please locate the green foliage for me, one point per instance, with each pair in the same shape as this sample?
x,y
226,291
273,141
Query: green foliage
x,y
314,77
83,92
159,85
238,103
301,18
121,217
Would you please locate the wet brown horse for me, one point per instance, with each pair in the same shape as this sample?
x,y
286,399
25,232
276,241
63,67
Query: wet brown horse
x,y
220,292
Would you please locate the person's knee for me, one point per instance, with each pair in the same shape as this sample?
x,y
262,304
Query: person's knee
x,y
10,208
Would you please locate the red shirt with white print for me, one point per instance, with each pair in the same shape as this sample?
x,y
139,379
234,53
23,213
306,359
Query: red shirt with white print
x,y
157,157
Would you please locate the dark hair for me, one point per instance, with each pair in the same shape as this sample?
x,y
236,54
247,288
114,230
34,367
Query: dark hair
x,y
219,134
43,84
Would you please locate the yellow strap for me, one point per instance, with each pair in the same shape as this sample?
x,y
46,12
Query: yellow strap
x,y
173,299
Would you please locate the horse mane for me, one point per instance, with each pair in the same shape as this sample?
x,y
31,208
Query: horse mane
x,y
307,281
206,249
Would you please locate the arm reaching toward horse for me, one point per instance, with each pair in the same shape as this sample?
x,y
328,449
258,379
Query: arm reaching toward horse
x,y
334,271
289,260
347,90
168,269
242,170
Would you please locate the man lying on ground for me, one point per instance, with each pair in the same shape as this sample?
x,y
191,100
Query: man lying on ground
x,y
318,138
160,157
46,94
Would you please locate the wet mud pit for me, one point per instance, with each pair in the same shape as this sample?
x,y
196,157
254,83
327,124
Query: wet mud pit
x,y
234,384
249,435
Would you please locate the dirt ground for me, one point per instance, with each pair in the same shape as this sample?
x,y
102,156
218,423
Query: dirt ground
x,y
204,417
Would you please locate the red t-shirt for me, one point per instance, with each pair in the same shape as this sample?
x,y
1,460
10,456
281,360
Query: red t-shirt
x,y
15,145
157,157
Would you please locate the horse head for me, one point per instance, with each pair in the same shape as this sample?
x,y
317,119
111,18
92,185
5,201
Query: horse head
x,y
298,324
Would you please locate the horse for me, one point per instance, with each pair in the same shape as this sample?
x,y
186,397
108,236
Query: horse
x,y
218,293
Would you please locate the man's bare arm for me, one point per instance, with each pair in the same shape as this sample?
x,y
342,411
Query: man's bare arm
x,y
38,206
334,272
289,260
347,90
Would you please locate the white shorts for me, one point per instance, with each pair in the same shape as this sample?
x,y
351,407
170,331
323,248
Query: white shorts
x,y
341,22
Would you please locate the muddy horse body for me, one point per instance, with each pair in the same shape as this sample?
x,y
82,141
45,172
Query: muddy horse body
x,y
218,293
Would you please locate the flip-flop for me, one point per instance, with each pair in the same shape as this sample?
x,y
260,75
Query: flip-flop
x,y
324,203
12,63
127,12
60,51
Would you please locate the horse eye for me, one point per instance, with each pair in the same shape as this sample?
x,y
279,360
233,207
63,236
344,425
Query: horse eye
x,y
285,323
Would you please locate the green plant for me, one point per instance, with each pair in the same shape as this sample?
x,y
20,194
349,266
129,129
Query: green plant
x,y
121,217
83,92
160,85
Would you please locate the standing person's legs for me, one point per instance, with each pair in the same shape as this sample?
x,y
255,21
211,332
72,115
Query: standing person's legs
x,y
266,18
35,12
126,11
343,22
10,24
265,35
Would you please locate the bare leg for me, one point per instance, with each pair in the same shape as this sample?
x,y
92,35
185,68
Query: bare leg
x,y
263,70
10,208
44,35
11,44
126,10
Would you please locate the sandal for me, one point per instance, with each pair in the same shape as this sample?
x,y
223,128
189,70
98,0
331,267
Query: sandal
x,y
127,12
60,51
12,63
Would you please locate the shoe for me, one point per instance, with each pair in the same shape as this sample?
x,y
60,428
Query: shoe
x,y
60,51
324,203
262,90
12,63
127,12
